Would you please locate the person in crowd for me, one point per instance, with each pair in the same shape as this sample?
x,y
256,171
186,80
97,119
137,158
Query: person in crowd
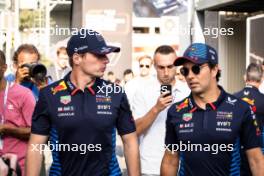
x,y
150,109
145,65
24,57
61,65
251,94
127,76
261,86
16,108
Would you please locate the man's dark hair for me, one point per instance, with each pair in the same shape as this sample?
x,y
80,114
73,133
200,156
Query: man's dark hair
x,y
164,49
2,58
254,72
127,71
28,48
218,75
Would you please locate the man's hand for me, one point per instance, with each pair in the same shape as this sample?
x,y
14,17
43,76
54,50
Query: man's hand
x,y
163,102
3,168
3,128
21,74
12,158
144,123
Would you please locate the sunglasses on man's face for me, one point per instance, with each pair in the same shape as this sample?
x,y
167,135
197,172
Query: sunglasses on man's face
x,y
196,69
142,65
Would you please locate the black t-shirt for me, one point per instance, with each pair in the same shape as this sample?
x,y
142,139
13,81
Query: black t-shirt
x,y
255,99
81,124
213,136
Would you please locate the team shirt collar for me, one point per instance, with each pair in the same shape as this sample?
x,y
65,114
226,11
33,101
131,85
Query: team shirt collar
x,y
73,90
213,105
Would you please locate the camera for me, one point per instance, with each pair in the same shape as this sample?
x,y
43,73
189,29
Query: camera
x,y
36,71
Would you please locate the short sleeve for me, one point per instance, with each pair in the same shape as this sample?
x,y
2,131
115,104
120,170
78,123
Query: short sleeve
x,y
41,119
125,121
171,137
29,103
250,132
139,106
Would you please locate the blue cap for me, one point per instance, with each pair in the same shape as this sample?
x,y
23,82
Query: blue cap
x,y
87,40
198,53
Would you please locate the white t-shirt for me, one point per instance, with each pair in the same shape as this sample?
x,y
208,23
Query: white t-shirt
x,y
261,87
151,143
133,85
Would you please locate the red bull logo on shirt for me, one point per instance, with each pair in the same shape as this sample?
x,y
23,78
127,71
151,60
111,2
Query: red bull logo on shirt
x,y
249,101
182,105
62,86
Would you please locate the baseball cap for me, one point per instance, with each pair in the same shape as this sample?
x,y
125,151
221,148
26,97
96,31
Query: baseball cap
x,y
87,40
198,53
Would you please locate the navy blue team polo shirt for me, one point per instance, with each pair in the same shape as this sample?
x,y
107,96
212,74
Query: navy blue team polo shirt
x,y
81,118
227,123
255,99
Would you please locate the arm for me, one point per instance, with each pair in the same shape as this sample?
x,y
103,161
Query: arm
x,y
131,153
21,133
169,164
256,161
34,154
27,109
144,123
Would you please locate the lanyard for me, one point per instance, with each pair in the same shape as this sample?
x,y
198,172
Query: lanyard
x,y
5,101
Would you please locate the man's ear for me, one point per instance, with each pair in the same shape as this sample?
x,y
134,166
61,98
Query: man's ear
x,y
76,59
215,70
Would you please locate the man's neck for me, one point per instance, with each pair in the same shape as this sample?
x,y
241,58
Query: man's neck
x,y
2,84
172,83
209,96
252,83
81,80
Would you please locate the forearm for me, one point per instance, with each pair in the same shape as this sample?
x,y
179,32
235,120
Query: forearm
x,y
35,154
22,133
131,152
257,168
144,123
168,169
256,161
33,162
169,164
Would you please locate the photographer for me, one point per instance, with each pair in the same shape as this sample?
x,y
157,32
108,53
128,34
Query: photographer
x,y
30,73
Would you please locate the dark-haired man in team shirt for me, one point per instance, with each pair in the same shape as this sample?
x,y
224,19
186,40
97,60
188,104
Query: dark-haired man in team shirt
x,y
76,112
212,118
